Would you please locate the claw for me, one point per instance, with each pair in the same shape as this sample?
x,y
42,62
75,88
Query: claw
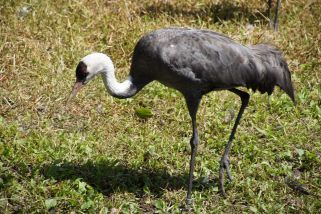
x,y
224,166
221,182
189,201
188,206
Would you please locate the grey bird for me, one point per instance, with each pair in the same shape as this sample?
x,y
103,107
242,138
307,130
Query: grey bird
x,y
195,62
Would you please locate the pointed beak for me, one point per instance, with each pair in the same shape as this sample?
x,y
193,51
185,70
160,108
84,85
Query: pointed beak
x,y
75,89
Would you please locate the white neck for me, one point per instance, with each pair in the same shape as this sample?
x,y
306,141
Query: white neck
x,y
116,89
104,65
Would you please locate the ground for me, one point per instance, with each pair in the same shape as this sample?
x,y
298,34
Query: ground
x,y
105,155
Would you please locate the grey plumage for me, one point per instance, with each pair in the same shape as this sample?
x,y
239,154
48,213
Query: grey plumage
x,y
194,62
203,61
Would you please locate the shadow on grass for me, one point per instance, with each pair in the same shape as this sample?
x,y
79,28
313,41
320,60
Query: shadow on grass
x,y
217,12
108,177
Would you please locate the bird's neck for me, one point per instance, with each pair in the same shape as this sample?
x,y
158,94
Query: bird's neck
x,y
124,89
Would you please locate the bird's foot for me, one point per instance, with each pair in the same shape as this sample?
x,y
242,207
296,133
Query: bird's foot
x,y
224,166
189,201
188,206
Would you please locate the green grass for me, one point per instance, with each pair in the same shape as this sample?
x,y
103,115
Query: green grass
x,y
98,156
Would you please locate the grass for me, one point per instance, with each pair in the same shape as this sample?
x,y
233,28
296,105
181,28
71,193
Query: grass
x,y
99,156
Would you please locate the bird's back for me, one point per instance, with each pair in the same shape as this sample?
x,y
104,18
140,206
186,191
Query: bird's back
x,y
200,59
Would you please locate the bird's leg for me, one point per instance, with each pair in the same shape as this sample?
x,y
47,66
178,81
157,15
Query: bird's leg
x,y
192,104
269,11
224,164
276,24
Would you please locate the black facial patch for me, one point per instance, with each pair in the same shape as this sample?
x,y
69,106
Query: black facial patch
x,y
81,72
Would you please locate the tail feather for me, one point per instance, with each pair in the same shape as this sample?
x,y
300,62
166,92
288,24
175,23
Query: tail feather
x,y
277,71
286,83
288,88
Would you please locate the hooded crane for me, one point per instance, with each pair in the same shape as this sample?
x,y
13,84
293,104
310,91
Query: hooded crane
x,y
195,62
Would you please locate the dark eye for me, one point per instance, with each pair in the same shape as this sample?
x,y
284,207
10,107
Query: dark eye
x,y
81,72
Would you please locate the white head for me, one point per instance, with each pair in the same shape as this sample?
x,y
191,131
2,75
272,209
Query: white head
x,y
89,67
92,65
